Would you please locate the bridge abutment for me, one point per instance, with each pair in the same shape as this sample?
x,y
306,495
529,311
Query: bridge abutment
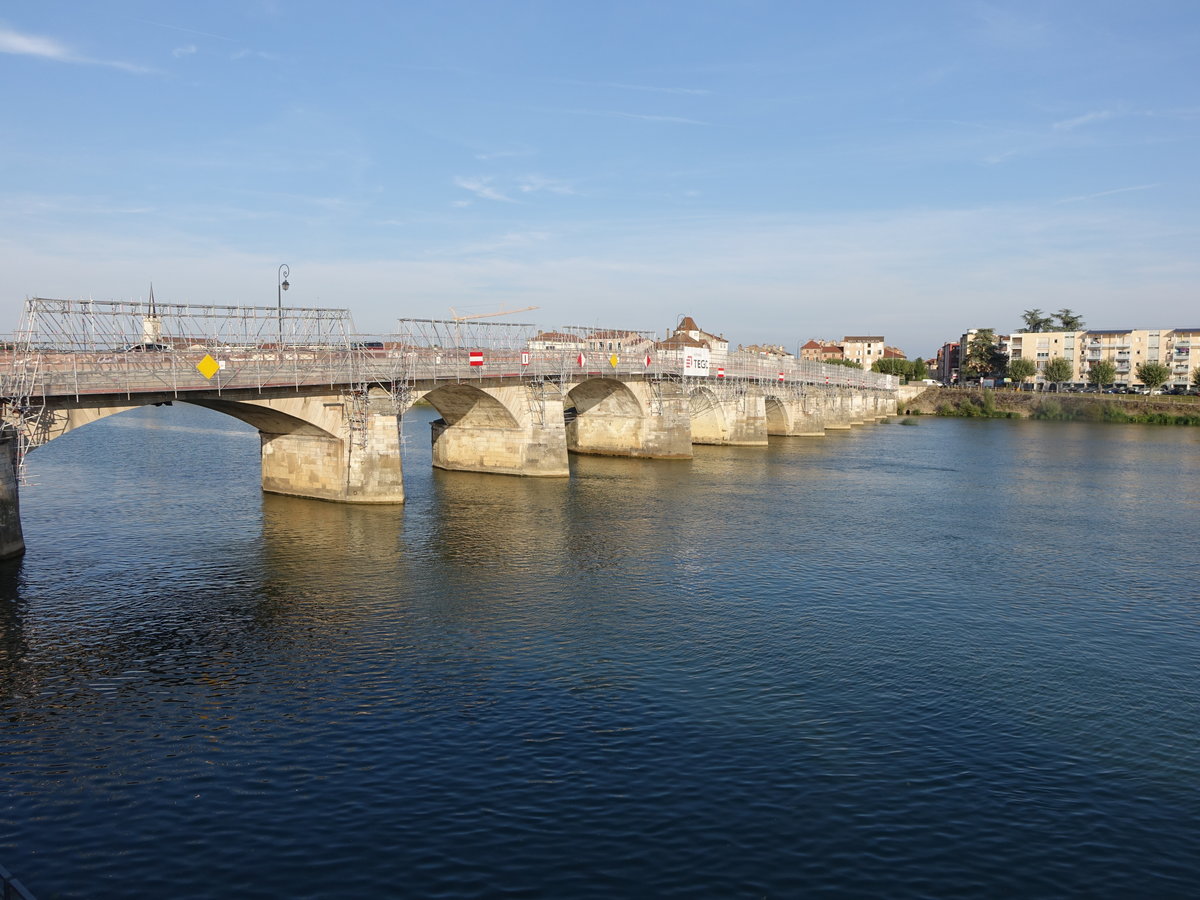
x,y
12,538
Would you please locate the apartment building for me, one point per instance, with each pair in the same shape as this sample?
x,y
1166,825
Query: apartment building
x,y
1126,348
863,349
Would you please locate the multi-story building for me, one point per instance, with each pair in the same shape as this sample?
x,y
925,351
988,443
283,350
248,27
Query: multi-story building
x,y
1183,362
821,351
610,340
1125,348
556,340
688,334
863,349
948,362
767,351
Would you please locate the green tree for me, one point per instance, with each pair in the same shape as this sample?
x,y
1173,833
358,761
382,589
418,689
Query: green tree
x,y
848,363
1103,371
1196,378
983,355
917,370
1035,321
1069,321
1057,370
892,366
1021,369
1153,375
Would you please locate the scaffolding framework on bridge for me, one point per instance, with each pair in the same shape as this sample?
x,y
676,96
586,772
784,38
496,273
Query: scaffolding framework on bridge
x,y
121,347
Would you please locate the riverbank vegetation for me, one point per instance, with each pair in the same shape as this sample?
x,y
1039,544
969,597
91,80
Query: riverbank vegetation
x,y
990,404
1107,411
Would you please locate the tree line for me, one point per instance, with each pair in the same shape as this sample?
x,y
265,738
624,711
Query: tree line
x,y
911,369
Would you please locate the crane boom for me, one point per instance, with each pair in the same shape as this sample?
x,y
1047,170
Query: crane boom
x,y
504,312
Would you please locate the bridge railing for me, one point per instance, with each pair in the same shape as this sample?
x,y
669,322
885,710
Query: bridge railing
x,y
203,368
463,364
77,347
53,373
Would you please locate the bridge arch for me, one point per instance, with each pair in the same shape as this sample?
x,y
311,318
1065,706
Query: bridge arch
x,y
470,407
619,418
779,417
505,429
60,418
304,419
605,397
709,421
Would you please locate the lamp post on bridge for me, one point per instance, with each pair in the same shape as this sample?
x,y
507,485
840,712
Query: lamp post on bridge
x,y
282,286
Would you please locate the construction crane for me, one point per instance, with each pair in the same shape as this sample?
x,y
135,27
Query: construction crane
x,y
504,312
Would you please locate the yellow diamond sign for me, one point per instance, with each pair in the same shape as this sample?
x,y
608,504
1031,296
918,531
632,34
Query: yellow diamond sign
x,y
208,366
613,360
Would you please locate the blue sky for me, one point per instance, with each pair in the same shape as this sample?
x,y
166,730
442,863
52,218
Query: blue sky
x,y
778,170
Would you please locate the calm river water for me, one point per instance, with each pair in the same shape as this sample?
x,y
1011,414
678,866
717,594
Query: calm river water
x,y
953,659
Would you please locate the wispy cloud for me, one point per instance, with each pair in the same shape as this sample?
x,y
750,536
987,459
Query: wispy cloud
x,y
695,92
219,37
19,44
180,52
256,54
1086,119
529,184
505,154
1124,190
616,114
482,188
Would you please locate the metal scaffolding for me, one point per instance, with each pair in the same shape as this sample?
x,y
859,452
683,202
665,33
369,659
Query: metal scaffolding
x,y
77,348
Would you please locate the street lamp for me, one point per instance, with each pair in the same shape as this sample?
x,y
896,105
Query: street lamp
x,y
282,286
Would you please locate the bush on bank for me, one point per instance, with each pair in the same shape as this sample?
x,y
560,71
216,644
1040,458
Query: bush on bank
x,y
984,405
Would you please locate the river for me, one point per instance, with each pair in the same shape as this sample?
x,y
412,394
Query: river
x,y
953,659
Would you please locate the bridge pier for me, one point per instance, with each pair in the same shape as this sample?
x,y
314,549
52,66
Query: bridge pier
x,y
505,430
639,418
725,416
347,465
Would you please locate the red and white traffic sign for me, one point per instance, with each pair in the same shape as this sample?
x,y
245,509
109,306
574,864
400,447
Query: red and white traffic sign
x,y
781,376
524,357
720,372
647,360
477,357
579,359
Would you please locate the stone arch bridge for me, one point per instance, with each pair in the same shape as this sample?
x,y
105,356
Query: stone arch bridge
x,y
328,403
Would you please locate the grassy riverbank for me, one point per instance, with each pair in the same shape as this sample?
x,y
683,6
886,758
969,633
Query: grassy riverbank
x,y
1118,408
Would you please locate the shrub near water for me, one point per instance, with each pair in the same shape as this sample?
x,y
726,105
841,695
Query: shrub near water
x,y
1108,412
981,407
